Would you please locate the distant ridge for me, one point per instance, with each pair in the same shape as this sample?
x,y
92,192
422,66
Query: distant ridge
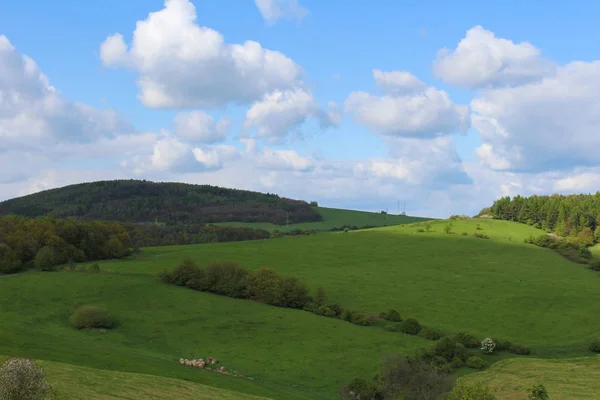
x,y
165,202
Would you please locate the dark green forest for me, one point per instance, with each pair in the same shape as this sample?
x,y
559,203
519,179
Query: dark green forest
x,y
571,215
47,242
165,202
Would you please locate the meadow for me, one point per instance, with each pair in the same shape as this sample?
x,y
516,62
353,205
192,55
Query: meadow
x,y
497,287
335,218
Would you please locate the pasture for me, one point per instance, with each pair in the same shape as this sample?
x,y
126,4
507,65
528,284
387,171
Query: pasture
x,y
497,287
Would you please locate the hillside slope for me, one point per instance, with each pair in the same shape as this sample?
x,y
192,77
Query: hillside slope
x,y
74,382
145,201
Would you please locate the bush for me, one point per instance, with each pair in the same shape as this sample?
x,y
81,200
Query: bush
x,y
91,317
95,268
421,230
320,296
337,309
595,345
465,391
478,227
518,349
595,265
46,259
445,348
23,379
183,272
412,378
225,278
448,228
9,260
475,362
465,234
481,235
488,345
393,316
410,326
363,389
431,333
467,340
356,317
538,392
502,345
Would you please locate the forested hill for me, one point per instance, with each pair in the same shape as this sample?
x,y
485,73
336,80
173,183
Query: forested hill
x,y
564,215
145,201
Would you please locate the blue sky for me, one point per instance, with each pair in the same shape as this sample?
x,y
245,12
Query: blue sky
x,y
517,72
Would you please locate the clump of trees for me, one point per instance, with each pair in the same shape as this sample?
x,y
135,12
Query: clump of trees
x,y
23,379
576,216
571,248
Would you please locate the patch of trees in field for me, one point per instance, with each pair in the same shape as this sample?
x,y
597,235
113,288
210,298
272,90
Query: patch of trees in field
x,y
572,215
48,242
171,203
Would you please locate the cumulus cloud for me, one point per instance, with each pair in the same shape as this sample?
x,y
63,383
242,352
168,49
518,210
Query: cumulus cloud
x,y
273,10
409,110
283,160
184,65
200,127
280,111
481,60
551,124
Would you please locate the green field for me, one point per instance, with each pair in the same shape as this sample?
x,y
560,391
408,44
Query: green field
x,y
566,379
334,218
498,287
74,383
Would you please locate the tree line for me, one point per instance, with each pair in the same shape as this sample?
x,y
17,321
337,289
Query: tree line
x,y
48,242
571,215
166,202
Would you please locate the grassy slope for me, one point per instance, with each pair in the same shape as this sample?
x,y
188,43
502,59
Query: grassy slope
x,y
76,382
333,218
489,287
566,379
291,354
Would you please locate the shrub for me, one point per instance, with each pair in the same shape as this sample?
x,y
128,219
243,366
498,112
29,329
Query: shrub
x,y
363,389
326,312
46,259
465,391
595,265
465,234
320,296
226,278
431,333
264,285
475,362
421,230
337,309
595,345
294,294
467,340
445,348
538,392
393,316
413,378
23,379
518,349
183,272
91,317
95,268
448,228
427,226
356,317
410,326
488,345
481,235
457,362
9,260
478,227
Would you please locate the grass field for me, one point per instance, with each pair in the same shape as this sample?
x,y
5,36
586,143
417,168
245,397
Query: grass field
x,y
498,287
334,218
566,379
75,383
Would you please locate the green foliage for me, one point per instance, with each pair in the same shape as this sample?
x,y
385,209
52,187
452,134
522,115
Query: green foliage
x,y
46,259
225,278
467,340
466,391
519,349
475,362
320,296
431,333
412,378
488,345
595,345
428,226
23,379
448,228
538,392
89,316
363,389
392,315
356,317
481,235
478,227
9,260
95,268
410,326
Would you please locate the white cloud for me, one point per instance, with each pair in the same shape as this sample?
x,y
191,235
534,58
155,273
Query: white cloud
x,y
481,60
183,65
398,82
283,160
273,10
280,111
407,113
550,124
200,127
588,181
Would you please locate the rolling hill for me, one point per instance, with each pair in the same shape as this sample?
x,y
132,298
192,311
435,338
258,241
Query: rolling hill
x,y
498,287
